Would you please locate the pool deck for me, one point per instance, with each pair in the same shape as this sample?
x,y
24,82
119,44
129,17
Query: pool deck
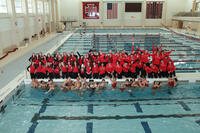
x,y
15,67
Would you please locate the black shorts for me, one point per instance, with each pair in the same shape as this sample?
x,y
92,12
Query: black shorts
x,y
95,75
83,75
56,75
70,74
32,75
64,75
74,75
38,75
88,76
102,76
133,75
119,75
109,75
51,76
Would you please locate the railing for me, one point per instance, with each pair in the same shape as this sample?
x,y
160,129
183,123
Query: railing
x,y
187,14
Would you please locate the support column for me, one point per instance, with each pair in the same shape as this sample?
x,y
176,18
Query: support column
x,y
57,18
53,25
80,13
194,5
101,13
37,31
164,13
144,8
14,23
43,15
49,16
122,13
27,32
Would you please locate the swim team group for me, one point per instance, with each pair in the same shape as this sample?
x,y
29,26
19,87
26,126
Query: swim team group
x,y
139,64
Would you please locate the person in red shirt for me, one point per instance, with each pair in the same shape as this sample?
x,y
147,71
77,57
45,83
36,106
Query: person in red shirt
x,y
50,71
36,60
72,57
171,69
95,71
88,71
44,72
156,59
107,59
82,73
80,61
118,70
39,71
139,66
64,71
85,60
44,61
115,58
148,71
126,69
32,70
49,58
143,71
109,70
133,73
32,58
75,71
65,58
102,71
144,56
69,69
57,72
163,69
155,70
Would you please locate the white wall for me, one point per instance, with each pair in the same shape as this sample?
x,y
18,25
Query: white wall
x,y
72,9
14,28
188,5
111,22
5,31
69,10
175,6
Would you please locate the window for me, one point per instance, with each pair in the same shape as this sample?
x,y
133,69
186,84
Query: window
x,y
154,10
40,7
18,6
46,4
198,7
30,6
3,6
133,7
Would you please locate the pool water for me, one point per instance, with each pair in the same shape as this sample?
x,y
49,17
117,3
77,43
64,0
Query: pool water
x,y
112,111
186,54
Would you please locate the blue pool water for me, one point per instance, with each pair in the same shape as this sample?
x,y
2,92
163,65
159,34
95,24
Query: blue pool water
x,y
113,111
186,54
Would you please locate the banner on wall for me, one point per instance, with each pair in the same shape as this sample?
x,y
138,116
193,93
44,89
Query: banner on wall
x,y
90,10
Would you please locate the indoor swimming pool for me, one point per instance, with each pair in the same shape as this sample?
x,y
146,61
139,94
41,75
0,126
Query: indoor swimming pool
x,y
185,51
110,111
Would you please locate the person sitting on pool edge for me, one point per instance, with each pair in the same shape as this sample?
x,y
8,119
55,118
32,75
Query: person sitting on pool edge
x,y
34,83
